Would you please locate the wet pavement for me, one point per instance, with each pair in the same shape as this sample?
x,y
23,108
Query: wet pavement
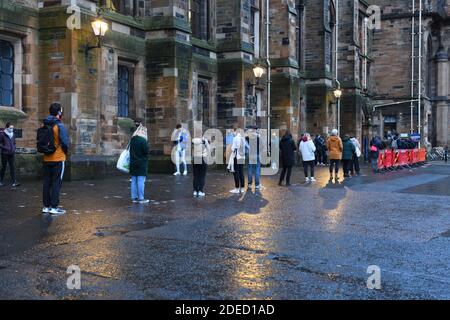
x,y
308,241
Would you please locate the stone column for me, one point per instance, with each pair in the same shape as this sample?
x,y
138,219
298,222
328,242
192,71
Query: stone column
x,y
443,105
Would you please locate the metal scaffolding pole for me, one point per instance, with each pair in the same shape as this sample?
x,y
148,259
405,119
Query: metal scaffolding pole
x,y
419,96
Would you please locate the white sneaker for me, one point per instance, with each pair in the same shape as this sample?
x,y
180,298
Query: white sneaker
x,y
57,211
46,210
307,180
201,194
236,190
185,173
176,174
258,187
144,201
195,194
313,179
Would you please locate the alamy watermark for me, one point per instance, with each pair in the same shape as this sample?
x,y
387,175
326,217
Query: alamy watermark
x,y
74,280
255,146
374,17
374,280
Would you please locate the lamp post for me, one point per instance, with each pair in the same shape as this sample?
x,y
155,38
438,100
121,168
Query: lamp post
x,y
100,28
337,95
259,71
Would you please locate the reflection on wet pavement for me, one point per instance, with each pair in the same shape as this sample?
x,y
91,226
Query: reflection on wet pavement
x,y
306,241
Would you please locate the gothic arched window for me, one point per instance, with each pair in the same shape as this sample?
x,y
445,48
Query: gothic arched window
x,y
200,19
203,102
431,70
123,96
6,74
331,16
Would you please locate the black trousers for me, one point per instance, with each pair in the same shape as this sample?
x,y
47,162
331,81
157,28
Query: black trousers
x,y
355,165
53,174
319,156
8,160
199,176
334,164
348,163
239,180
324,156
286,172
306,165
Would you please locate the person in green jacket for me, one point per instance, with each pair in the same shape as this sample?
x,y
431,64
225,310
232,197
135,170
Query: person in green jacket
x,y
347,154
139,164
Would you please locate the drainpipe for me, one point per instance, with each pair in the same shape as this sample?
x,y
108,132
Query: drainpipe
x,y
413,22
269,81
336,37
365,52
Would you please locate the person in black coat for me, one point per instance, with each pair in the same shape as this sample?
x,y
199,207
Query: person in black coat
x,y
8,151
287,151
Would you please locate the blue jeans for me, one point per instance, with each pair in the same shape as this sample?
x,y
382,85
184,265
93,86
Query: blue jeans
x,y
256,170
137,187
375,165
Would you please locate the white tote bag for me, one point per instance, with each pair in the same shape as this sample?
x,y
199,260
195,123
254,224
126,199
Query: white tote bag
x,y
123,164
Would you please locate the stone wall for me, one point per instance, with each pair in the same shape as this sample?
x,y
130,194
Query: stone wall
x,y
169,67
392,72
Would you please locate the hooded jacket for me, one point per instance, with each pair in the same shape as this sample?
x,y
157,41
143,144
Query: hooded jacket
x,y
287,150
138,156
7,144
349,149
308,149
335,148
61,140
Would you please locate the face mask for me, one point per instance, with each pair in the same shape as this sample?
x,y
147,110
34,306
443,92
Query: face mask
x,y
10,130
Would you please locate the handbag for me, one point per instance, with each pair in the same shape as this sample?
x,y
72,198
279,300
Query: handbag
x,y
123,164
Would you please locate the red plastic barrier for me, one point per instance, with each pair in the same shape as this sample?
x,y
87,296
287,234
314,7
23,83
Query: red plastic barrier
x,y
396,158
389,158
403,157
416,156
410,156
381,160
422,155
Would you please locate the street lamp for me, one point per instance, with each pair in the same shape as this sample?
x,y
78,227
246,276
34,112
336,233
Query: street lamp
x,y
100,28
258,71
338,95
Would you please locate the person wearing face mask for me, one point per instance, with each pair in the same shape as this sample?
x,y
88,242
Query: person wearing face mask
x,y
8,151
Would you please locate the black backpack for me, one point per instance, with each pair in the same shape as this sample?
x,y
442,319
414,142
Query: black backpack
x,y
46,139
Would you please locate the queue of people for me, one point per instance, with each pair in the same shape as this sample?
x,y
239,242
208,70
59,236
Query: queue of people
x,y
245,148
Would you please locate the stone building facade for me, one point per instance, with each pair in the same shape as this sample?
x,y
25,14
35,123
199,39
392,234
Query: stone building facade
x,y
392,72
164,62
